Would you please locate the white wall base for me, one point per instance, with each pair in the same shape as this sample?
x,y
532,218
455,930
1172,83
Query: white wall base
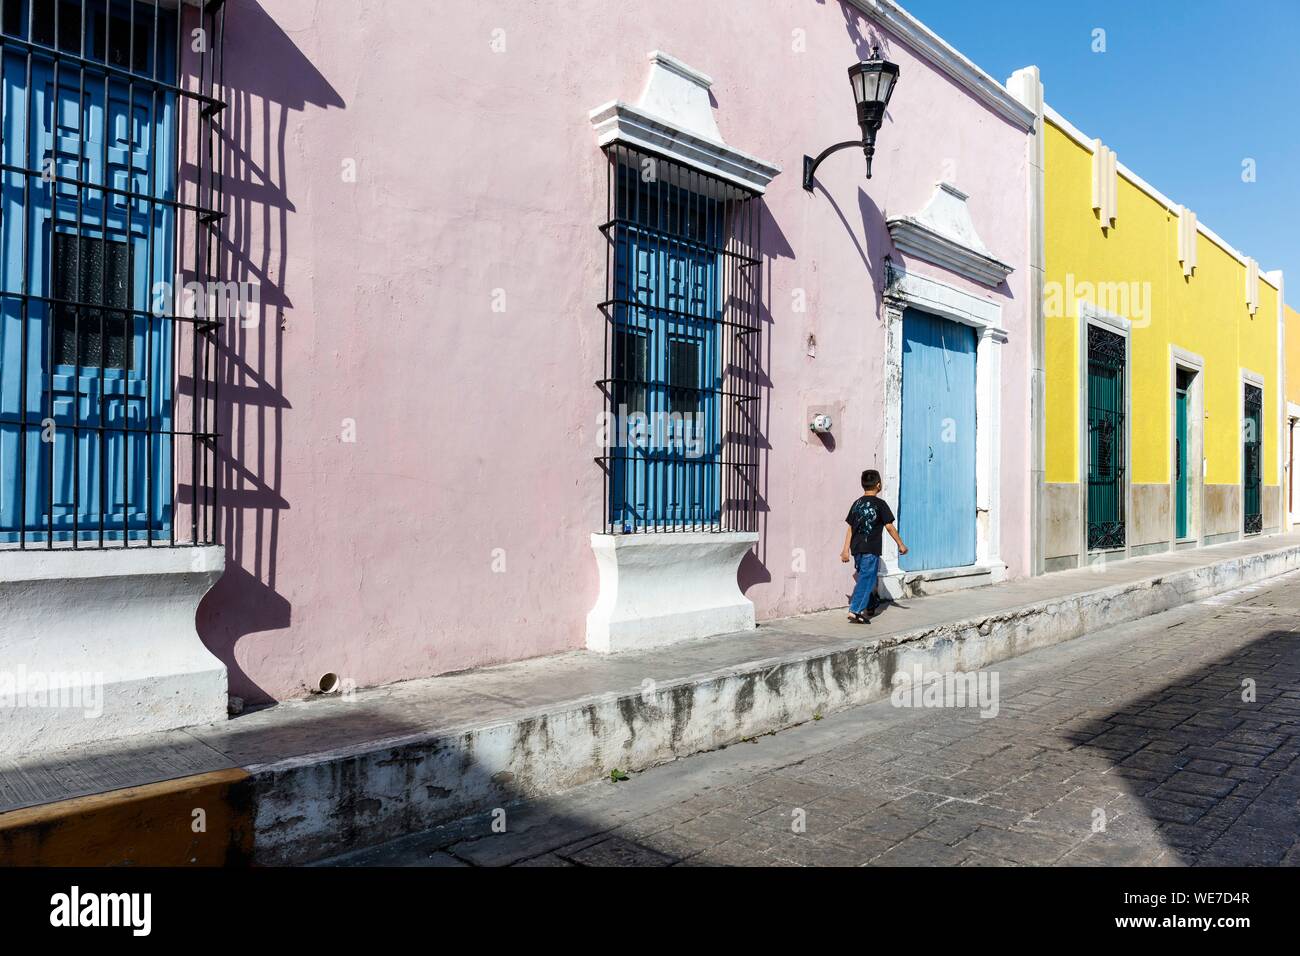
x,y
102,644
658,589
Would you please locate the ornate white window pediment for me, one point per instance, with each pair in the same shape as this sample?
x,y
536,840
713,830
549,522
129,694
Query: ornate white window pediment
x,y
944,234
674,118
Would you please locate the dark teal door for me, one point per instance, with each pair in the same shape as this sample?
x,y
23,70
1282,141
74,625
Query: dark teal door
x,y
936,493
1106,444
1180,462
1253,444
84,366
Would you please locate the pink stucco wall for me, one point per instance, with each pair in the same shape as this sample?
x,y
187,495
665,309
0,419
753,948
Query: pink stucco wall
x,y
475,429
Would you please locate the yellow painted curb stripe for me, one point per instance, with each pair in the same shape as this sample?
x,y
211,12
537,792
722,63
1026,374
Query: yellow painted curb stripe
x,y
200,820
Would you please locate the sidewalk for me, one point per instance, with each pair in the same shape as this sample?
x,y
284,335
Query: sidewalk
x,y
306,779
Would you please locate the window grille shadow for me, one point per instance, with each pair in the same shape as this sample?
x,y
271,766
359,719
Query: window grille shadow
x,y
267,81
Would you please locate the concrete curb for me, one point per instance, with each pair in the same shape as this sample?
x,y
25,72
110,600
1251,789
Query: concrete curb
x,y
311,807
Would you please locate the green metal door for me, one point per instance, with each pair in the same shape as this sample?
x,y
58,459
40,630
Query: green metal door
x,y
1106,452
1252,446
1180,463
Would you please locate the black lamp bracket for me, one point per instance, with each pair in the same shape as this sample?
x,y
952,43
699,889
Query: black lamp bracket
x,y
810,165
867,144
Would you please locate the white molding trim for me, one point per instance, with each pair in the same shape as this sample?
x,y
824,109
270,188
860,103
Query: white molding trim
x,y
925,294
933,48
1094,313
674,118
940,298
1187,358
1291,506
1072,131
1187,239
1278,281
1252,285
915,238
943,233
1105,184
1026,83
1290,501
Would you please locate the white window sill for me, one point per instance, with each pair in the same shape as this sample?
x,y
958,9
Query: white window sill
x,y
666,587
114,631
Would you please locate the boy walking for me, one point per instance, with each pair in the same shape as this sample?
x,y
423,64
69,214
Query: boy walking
x,y
867,517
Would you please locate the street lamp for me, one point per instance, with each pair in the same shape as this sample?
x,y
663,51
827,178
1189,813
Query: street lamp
x,y
873,81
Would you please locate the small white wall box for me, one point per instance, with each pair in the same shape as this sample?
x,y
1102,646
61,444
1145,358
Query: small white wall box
x,y
820,424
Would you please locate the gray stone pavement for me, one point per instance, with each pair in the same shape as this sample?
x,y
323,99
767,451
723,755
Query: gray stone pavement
x,y
1166,742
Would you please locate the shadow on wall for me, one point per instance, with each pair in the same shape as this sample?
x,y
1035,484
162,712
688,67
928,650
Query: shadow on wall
x,y
753,567
267,80
874,230
877,231
862,42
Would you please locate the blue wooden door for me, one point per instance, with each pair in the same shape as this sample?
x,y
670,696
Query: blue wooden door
x,y
83,360
936,494
666,364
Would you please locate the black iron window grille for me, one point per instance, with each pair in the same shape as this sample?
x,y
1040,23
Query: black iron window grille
x,y
1106,451
1252,465
682,380
110,206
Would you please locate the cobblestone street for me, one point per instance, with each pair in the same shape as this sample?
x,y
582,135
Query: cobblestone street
x,y
1172,741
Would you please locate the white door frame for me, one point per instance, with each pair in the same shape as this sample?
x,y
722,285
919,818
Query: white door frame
x,y
1090,315
908,290
1290,421
1180,358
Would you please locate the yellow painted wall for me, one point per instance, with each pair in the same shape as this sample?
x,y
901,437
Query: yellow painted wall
x,y
1205,314
1292,354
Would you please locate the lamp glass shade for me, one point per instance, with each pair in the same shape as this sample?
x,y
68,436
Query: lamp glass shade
x,y
864,85
886,84
873,81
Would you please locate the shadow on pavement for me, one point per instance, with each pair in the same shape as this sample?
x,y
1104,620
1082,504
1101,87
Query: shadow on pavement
x,y
1212,755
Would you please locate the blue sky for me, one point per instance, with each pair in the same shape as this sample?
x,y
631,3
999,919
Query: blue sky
x,y
1186,90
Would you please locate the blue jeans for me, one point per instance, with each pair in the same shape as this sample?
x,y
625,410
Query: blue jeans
x,y
864,592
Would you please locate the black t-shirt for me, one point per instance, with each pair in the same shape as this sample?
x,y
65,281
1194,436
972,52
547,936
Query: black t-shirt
x,y
868,517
